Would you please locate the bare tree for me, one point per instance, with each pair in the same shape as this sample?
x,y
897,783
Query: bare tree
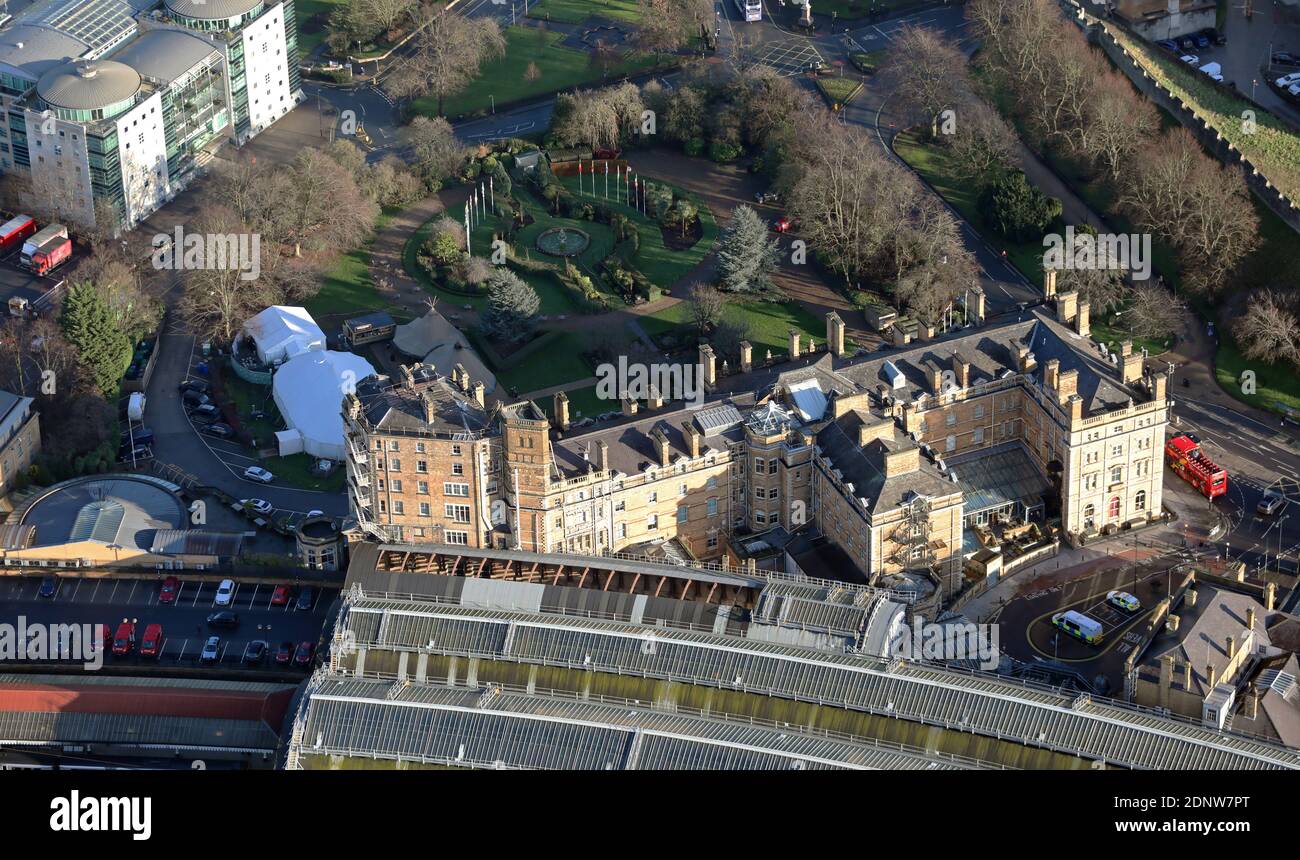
x,y
660,31
1119,123
1153,311
929,74
1197,205
321,207
449,51
438,152
1269,329
705,304
983,144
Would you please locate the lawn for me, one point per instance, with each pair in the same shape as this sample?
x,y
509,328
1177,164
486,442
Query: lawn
x,y
838,89
346,286
932,164
313,22
504,80
767,324
1277,387
563,363
863,8
1110,330
583,403
577,11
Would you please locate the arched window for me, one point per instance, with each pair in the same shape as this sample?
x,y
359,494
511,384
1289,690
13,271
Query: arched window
x,y
1089,516
1140,501
1112,510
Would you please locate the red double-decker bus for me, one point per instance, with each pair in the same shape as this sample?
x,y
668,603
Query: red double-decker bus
x,y
1190,463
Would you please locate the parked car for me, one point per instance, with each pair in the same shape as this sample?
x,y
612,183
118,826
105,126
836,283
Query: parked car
x,y
195,385
1123,600
124,639
211,650
1214,36
1288,80
225,592
152,641
1168,45
206,412
49,586
257,473
226,620
171,587
138,436
261,506
195,399
1201,40
306,597
219,430
280,597
284,654
255,652
139,452
783,224
767,197
302,656
1285,58
1185,42
1272,502
1190,59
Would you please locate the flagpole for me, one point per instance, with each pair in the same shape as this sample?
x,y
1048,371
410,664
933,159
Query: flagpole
x,y
606,181
468,228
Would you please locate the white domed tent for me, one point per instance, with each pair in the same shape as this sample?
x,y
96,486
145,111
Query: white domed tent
x,y
281,332
308,390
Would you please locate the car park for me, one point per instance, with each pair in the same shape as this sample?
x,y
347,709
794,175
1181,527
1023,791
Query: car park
x,y
302,656
1272,502
257,473
254,652
152,641
1079,626
284,654
1123,600
219,430
225,592
167,592
225,620
306,597
259,506
49,586
280,596
211,650
1285,58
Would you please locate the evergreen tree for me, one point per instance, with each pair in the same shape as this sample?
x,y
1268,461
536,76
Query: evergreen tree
x,y
104,348
1018,210
747,255
512,306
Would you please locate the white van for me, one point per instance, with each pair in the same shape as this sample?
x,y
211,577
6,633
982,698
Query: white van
x,y
1079,626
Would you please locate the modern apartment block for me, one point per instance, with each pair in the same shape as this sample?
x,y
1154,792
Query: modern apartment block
x,y
111,106
893,458
20,438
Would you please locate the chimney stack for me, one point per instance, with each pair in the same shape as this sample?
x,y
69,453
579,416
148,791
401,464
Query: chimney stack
x,y
1083,319
1067,307
1067,384
708,366
835,334
602,456
934,374
660,441
746,356
1049,283
1025,360
1130,363
1210,677
961,369
461,374
1251,708
561,410
479,392
1187,675
693,436
1052,374
1270,596
630,406
1250,618
430,406
1075,404
1230,643
408,375
655,400
1159,386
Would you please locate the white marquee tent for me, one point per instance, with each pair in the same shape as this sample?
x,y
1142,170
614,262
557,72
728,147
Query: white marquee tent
x,y
308,390
282,332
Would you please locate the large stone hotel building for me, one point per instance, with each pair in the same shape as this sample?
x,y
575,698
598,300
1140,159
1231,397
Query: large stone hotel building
x,y
892,457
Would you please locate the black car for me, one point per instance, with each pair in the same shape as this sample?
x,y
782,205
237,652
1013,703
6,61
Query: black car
x,y
49,586
306,597
255,651
1283,58
1186,42
221,431
143,436
1214,36
139,452
195,385
224,619
194,398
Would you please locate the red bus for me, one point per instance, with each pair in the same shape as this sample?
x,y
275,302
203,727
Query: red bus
x,y
1190,463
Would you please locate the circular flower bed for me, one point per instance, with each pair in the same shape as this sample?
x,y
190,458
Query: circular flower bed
x,y
563,242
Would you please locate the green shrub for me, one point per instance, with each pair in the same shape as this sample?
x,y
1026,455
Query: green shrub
x,y
723,152
695,147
